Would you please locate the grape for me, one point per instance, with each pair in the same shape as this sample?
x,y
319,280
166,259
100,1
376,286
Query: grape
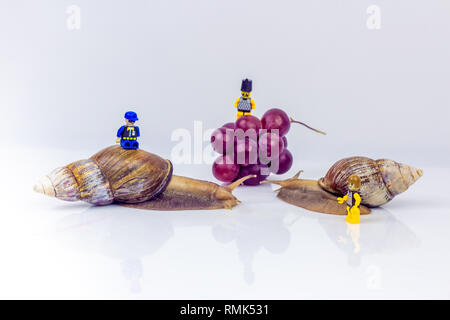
x,y
245,151
285,141
285,161
222,140
250,144
228,125
253,169
248,122
224,168
276,119
268,144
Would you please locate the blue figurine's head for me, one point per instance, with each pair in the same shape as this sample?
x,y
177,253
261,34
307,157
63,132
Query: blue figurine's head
x,y
131,117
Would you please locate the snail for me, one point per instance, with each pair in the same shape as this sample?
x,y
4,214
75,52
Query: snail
x,y
135,178
381,181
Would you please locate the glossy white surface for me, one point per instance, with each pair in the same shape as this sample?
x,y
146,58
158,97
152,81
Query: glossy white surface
x,y
263,248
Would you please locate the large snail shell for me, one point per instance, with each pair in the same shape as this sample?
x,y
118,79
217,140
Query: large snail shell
x,y
113,174
381,180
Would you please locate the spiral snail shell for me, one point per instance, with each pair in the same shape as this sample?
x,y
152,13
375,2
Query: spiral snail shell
x,y
112,174
381,180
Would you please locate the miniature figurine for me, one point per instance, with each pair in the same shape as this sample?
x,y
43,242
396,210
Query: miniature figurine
x,y
127,135
353,199
244,103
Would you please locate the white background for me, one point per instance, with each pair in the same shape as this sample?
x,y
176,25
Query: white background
x,y
378,93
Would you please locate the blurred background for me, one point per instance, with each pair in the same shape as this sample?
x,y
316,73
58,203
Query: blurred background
x,y
376,80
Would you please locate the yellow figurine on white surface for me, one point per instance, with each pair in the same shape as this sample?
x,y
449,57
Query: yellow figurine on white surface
x,y
244,103
353,199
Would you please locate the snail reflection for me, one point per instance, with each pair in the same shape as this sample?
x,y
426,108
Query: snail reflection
x,y
118,234
127,236
253,231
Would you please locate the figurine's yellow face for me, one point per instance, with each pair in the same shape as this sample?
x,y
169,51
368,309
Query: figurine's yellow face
x,y
352,186
129,123
245,95
354,182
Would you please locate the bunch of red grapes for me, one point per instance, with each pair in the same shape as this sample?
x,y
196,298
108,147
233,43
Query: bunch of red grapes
x,y
251,146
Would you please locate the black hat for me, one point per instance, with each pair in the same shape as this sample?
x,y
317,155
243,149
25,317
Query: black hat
x,y
246,85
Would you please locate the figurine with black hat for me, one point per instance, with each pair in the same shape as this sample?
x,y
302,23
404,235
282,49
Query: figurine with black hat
x,y
244,103
127,135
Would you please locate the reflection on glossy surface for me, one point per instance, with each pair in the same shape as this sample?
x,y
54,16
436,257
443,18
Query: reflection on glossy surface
x,y
378,233
59,250
252,232
353,231
119,234
128,234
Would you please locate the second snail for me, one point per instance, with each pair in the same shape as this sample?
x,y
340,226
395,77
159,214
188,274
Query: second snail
x,y
381,181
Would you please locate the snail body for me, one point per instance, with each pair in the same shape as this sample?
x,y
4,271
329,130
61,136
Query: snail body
x,y
184,193
309,195
381,180
134,177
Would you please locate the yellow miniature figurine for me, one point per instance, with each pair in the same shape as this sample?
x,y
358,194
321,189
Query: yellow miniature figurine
x,y
353,199
244,103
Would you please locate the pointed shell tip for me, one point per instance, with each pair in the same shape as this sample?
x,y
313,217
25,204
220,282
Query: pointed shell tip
x,y
419,172
45,186
38,188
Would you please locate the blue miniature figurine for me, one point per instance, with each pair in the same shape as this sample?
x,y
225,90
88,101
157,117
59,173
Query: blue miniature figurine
x,y
127,135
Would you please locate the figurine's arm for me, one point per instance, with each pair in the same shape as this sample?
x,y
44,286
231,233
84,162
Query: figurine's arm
x,y
357,199
236,102
252,102
138,133
119,133
342,199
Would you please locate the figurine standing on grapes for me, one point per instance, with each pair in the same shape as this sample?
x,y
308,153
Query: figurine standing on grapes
x,y
253,146
244,103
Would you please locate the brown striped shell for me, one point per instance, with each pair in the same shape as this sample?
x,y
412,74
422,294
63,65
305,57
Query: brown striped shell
x,y
381,180
112,174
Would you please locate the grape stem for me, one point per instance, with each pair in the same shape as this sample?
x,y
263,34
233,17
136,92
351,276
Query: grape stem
x,y
318,131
